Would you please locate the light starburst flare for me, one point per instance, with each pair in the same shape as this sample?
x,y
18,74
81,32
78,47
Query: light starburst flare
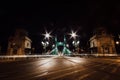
x,y
47,35
73,35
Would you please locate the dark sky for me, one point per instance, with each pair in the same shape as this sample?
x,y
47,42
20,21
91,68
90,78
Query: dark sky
x,y
59,17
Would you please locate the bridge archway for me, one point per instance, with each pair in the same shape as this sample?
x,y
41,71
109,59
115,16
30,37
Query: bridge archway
x,y
60,47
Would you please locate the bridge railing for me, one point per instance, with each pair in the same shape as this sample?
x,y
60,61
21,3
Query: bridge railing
x,y
94,55
17,57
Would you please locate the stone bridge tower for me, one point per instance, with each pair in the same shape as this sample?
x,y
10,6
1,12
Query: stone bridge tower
x,y
19,43
102,42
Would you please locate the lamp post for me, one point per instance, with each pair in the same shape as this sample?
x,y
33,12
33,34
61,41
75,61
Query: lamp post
x,y
75,42
118,44
45,44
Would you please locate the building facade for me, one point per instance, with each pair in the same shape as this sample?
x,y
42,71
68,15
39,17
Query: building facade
x,y
19,43
102,42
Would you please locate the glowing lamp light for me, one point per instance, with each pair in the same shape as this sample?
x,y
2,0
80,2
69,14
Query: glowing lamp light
x,y
67,45
73,35
78,42
42,43
53,45
73,42
47,43
47,35
117,42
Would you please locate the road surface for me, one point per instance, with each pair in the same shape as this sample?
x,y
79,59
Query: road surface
x,y
61,68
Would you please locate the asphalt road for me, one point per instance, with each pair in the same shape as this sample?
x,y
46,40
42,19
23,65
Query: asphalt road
x,y
61,68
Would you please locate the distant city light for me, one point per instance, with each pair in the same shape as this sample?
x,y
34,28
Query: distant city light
x,y
13,43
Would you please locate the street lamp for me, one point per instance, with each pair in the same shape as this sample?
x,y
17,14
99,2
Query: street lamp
x,y
67,45
78,42
73,35
45,45
75,43
47,35
117,42
53,45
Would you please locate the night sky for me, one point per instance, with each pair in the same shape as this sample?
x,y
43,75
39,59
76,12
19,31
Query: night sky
x,y
59,18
